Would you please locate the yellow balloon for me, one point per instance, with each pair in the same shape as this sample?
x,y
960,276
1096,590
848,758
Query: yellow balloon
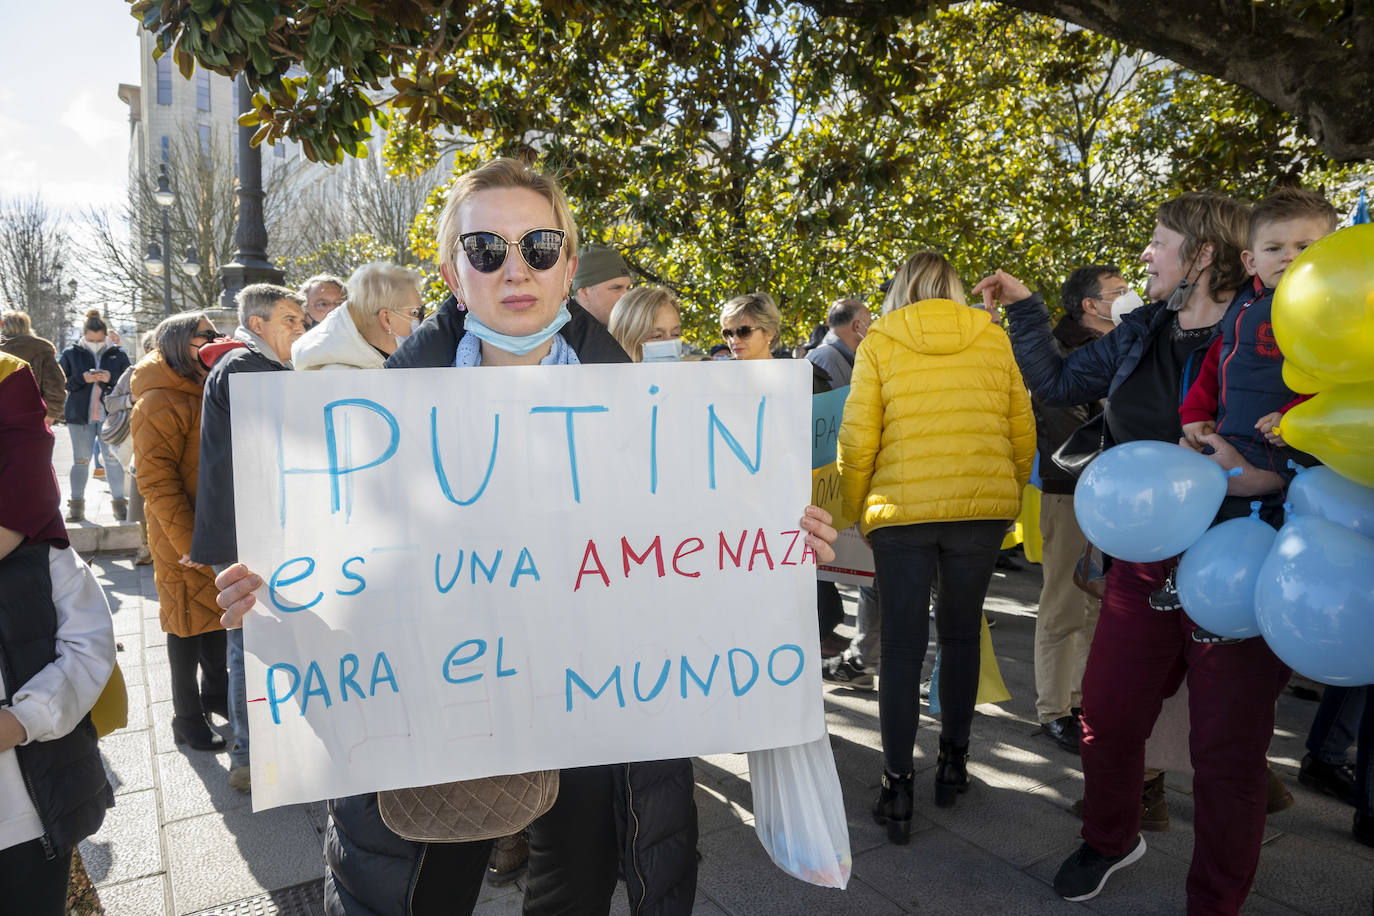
x,y
1300,380
1337,425
1324,308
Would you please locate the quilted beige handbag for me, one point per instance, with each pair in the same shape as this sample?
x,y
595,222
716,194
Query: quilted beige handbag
x,y
474,809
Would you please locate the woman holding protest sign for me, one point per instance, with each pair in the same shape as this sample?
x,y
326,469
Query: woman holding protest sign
x,y
507,246
936,446
1139,656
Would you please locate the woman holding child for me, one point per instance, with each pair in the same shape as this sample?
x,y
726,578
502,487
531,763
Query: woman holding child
x,y
507,247
1140,655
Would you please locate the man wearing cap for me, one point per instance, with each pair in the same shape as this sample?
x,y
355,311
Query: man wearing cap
x,y
602,277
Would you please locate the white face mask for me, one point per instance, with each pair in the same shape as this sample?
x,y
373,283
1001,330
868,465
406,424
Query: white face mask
x,y
94,346
663,351
1127,302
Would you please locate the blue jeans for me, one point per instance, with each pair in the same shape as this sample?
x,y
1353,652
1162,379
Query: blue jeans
x,y
238,698
85,437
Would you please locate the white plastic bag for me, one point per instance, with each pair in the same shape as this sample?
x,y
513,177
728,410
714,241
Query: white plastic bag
x,y
799,812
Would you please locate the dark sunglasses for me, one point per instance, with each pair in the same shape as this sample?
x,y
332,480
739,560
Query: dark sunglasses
x,y
743,332
486,251
206,336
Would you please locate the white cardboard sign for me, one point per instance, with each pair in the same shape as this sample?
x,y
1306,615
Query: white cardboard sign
x,y
470,573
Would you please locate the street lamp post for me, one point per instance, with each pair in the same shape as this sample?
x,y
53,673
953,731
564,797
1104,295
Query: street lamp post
x,y
153,261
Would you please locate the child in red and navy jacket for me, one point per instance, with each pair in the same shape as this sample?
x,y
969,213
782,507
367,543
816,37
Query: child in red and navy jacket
x,y
1240,393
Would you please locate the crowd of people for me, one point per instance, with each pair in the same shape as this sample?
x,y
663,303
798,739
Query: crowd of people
x,y
949,416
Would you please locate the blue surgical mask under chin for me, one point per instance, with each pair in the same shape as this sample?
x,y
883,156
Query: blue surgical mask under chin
x,y
517,346
414,326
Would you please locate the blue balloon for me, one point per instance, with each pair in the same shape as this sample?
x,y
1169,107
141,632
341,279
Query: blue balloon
x,y
1216,577
1314,601
1322,492
1146,501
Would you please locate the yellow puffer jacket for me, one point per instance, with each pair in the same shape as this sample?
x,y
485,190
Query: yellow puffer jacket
x,y
938,424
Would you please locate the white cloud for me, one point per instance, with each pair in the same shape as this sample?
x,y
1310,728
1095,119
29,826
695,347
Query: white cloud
x,y
98,125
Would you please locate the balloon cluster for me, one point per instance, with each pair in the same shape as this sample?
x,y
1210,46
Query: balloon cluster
x,y
1324,325
1308,588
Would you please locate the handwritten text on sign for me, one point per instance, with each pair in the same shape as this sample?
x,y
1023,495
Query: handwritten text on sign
x,y
475,572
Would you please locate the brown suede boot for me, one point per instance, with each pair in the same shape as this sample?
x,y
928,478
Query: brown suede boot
x,y
509,855
1279,798
1154,807
76,510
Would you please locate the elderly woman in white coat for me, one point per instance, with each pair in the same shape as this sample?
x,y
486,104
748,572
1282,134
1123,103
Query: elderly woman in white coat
x,y
383,309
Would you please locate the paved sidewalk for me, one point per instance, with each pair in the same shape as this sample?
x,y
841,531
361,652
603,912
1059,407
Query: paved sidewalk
x,y
179,841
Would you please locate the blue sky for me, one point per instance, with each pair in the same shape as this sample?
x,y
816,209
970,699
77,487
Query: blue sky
x,y
66,131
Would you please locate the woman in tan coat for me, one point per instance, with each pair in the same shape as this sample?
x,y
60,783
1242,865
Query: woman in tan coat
x,y
167,386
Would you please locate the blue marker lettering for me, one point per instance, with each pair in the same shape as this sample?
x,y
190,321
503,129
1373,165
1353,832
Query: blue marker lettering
x,y
453,660
474,561
713,423
704,685
438,583
653,444
658,684
348,670
313,675
335,470
572,676
801,660
349,574
279,581
378,664
572,439
524,566
439,461
500,652
734,675
275,701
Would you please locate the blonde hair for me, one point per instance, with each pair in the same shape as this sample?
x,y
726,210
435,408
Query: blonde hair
x,y
758,308
925,275
378,286
502,173
16,324
632,319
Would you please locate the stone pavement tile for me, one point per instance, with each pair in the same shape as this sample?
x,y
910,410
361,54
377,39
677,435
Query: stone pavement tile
x,y
1016,826
716,811
128,760
738,877
138,706
159,676
1152,886
143,897
218,857
1008,758
127,623
1322,819
941,873
1315,877
153,635
130,659
729,763
501,901
193,783
126,845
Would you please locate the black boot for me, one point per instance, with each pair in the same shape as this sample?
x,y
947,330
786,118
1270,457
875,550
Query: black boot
x,y
893,807
951,773
194,732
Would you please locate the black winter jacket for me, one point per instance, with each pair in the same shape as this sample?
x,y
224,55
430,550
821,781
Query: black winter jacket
x,y
372,871
1054,425
1091,372
76,360
215,540
65,777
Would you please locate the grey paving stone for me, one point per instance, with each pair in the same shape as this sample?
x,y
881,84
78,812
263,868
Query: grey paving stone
x,y
159,675
500,901
160,716
142,897
128,760
1315,876
216,858
138,707
127,621
716,811
131,659
195,783
126,846
152,633
1018,827
738,877
941,873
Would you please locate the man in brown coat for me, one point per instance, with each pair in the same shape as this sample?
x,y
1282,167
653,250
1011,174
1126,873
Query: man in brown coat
x,y
18,339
